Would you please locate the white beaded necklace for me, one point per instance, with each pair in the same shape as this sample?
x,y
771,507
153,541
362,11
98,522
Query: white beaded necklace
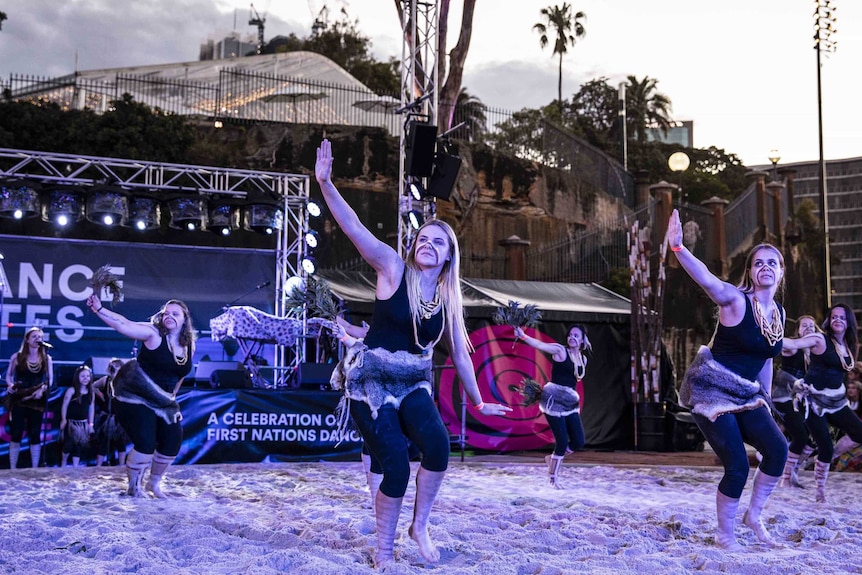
x,y
179,360
580,363
427,348
772,330
847,366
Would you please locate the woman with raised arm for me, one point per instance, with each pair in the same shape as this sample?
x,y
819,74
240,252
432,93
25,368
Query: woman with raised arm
x,y
145,389
28,381
727,386
821,394
793,366
559,401
387,378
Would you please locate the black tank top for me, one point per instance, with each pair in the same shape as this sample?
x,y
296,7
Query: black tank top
x,y
159,364
742,348
79,409
563,372
826,371
392,325
794,364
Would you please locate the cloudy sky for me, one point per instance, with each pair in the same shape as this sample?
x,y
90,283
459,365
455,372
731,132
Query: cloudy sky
x,y
743,70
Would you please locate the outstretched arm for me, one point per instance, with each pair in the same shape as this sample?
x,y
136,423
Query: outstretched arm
x,y
816,342
464,369
554,349
145,332
380,256
726,296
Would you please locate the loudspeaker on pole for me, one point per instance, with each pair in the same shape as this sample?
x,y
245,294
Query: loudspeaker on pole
x,y
446,167
419,155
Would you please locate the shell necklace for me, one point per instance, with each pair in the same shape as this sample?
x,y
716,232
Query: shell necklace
x,y
772,329
429,308
580,363
178,359
848,366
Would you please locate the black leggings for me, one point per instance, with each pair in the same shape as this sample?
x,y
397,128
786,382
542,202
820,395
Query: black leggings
x,y
419,420
794,425
25,419
568,432
148,431
844,419
727,436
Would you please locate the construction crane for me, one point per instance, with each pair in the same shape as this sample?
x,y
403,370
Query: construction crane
x,y
254,19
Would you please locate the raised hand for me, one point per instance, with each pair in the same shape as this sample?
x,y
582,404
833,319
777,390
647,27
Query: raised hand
x,y
674,230
323,165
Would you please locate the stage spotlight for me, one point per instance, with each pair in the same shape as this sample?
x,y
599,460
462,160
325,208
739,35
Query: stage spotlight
x,y
144,212
62,206
263,218
314,209
415,219
415,189
19,199
188,213
308,264
311,239
224,218
108,206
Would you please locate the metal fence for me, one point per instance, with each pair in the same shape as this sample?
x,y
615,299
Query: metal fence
x,y
242,96
592,255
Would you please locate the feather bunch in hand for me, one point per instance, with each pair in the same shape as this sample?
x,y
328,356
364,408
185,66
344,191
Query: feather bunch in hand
x,y
517,316
105,279
529,389
319,298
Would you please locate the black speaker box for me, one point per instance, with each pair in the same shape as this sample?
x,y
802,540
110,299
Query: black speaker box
x,y
419,155
205,369
445,174
315,375
230,379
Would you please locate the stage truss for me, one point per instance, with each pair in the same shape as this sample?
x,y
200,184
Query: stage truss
x,y
292,190
419,29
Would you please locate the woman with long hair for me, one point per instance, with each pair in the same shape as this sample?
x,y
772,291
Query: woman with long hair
x,y
28,380
821,393
387,378
145,389
728,385
559,400
77,416
793,366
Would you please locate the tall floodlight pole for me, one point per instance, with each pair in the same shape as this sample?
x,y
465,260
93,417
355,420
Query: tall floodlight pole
x,y
824,29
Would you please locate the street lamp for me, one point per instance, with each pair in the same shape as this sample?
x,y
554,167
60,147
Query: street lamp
x,y
678,162
774,157
824,28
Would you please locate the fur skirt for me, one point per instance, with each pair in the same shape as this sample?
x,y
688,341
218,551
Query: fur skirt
x,y
132,385
710,389
782,386
76,435
821,401
559,400
379,377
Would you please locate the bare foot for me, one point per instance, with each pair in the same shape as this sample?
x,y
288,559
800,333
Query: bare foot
x,y
427,548
759,530
382,559
155,489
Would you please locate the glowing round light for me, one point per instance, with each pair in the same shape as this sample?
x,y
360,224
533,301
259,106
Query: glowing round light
x,y
108,220
62,220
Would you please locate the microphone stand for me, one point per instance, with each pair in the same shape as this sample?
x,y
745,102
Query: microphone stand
x,y
246,294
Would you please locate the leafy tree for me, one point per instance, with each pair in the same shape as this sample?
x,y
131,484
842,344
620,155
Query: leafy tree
x,y
593,115
645,107
568,29
3,18
344,44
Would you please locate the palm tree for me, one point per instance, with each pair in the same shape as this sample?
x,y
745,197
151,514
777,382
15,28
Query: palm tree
x,y
470,110
646,107
569,28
